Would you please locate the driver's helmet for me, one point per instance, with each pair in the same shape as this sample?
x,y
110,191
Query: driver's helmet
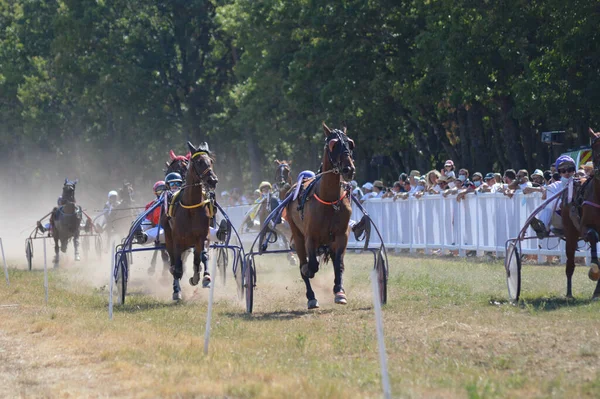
x,y
564,159
113,194
159,187
174,180
264,184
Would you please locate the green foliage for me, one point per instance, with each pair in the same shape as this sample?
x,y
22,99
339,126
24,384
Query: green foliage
x,y
416,82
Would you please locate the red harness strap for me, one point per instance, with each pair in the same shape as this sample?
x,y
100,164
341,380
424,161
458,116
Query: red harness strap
x,y
331,203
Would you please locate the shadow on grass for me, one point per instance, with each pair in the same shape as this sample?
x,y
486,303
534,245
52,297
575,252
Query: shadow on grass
x,y
544,303
279,314
135,307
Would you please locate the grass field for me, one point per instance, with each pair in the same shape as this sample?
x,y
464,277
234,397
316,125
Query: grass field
x,y
448,328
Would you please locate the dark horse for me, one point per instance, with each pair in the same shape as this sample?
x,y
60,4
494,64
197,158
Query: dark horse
x,y
283,178
188,226
588,226
65,221
322,229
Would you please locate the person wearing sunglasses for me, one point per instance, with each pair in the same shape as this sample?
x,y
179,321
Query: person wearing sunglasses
x,y
565,165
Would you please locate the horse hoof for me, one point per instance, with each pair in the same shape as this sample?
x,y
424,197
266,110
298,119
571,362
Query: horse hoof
x,y
305,271
313,304
77,258
595,298
594,273
177,296
206,282
340,298
194,279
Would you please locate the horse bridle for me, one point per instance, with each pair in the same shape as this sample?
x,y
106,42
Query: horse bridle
x,y
338,137
280,169
202,175
71,191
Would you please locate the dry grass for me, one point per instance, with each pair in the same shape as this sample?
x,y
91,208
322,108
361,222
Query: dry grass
x,y
449,333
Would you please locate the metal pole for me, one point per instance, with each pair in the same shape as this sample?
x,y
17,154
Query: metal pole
x,y
5,265
213,267
385,379
45,273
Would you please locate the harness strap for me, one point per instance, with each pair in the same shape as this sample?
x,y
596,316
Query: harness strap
x,y
211,210
333,202
591,204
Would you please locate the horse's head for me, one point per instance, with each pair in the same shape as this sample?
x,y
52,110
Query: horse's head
x,y
339,152
178,163
282,173
126,193
68,191
595,152
200,167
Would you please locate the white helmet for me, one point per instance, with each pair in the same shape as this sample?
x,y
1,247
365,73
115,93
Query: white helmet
x,y
113,193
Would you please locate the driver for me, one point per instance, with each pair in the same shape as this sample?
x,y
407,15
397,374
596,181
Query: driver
x,y
565,165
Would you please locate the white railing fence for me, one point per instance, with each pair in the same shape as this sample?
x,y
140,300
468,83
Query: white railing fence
x,y
480,223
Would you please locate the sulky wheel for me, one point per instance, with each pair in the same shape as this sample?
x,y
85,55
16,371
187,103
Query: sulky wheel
x,y
222,260
512,263
382,277
238,275
121,276
29,252
249,282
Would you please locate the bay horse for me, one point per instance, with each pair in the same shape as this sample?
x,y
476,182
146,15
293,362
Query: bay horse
x,y
187,225
321,228
65,221
283,178
589,223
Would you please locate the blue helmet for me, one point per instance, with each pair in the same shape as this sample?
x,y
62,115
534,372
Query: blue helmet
x,y
173,177
564,159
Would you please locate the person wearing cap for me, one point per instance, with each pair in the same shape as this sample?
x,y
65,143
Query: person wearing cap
x,y
367,189
565,165
420,189
588,167
537,178
448,170
488,184
378,189
440,186
393,191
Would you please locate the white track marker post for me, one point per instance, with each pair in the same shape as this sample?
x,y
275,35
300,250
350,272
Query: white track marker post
x,y
5,265
111,283
213,270
385,379
45,272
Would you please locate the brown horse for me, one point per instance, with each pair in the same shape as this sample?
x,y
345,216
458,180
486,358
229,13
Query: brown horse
x,y
283,178
322,227
188,226
589,224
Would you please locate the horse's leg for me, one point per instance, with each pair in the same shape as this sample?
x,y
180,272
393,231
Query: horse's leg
x,y
76,243
55,236
177,272
200,255
591,236
571,246
338,270
301,252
